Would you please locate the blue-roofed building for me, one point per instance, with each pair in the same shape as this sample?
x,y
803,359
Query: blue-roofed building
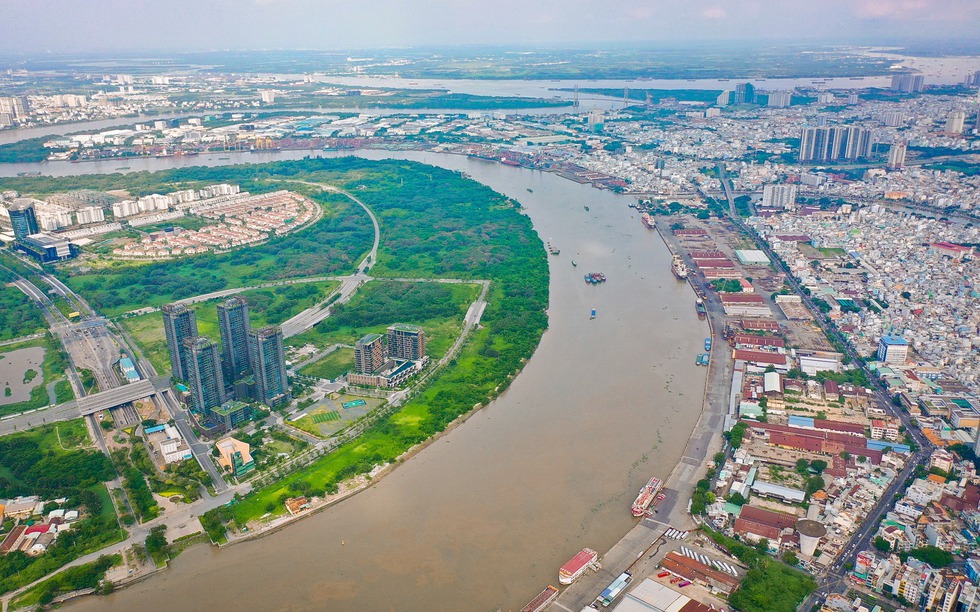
x,y
893,349
128,370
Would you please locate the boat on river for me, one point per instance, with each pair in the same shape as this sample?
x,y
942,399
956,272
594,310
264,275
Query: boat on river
x,y
678,268
577,565
592,316
646,496
544,599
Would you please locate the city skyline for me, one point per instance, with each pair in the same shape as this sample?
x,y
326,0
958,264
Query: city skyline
x,y
53,26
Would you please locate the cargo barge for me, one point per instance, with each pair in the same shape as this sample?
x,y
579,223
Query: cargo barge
x,y
648,221
699,306
544,599
646,496
576,566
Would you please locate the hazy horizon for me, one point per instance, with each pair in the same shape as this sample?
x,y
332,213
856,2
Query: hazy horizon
x,y
70,27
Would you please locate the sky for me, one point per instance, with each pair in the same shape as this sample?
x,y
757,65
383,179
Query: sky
x,y
69,26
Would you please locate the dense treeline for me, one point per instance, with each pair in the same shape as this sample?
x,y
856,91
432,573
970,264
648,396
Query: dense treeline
x,y
86,536
433,224
48,473
87,576
387,303
18,315
769,586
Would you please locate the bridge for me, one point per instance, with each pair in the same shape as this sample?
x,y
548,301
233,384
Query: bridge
x,y
116,396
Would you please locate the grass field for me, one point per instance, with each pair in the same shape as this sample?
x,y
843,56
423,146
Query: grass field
x,y
332,366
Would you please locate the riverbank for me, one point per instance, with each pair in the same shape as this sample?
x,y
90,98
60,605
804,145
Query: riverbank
x,y
629,553
515,472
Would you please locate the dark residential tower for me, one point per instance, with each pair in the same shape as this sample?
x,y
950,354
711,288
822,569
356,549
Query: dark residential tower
x,y
179,323
204,376
268,359
234,326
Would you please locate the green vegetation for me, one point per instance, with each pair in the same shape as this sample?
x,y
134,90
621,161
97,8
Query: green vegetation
x,y
438,308
882,544
86,536
742,206
156,545
332,366
267,306
52,368
460,230
936,557
736,434
87,576
329,246
37,462
19,316
24,151
770,586
727,285
956,166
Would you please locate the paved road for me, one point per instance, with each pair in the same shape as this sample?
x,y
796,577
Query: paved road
x,y
202,451
174,520
835,578
348,284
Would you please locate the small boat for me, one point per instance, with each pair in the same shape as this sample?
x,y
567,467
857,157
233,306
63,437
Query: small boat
x,y
586,209
123,168
574,264
529,190
593,314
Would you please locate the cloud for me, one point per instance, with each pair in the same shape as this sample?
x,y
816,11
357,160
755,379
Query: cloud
x,y
714,12
891,9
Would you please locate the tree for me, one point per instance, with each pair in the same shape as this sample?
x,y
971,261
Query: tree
x,y
719,458
802,466
818,465
762,546
936,557
814,484
736,498
790,557
882,544
846,456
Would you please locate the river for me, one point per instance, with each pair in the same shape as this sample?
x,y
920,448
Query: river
x,y
483,518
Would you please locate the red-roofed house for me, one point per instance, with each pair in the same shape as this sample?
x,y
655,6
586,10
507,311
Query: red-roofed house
x,y
751,340
763,358
757,523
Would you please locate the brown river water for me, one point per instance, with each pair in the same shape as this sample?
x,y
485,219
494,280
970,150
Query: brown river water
x,y
484,517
